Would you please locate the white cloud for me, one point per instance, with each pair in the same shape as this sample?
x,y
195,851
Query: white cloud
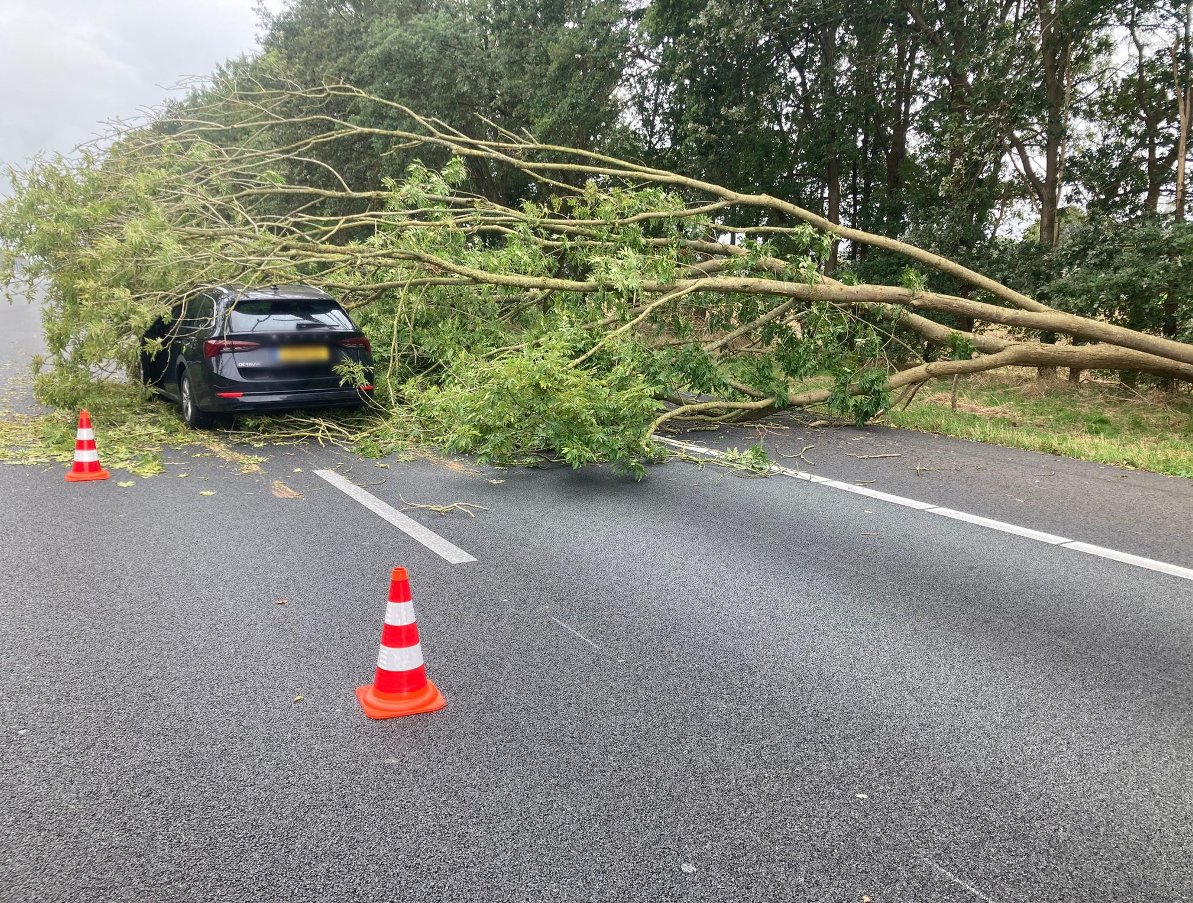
x,y
69,65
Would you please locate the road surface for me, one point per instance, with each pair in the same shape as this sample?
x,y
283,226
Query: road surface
x,y
698,687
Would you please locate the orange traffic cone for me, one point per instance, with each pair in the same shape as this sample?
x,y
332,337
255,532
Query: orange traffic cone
x,y
400,686
86,466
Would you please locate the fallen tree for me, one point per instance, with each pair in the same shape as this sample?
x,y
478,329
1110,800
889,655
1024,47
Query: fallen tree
x,y
615,299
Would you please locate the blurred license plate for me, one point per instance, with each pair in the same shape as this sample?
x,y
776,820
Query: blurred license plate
x,y
304,354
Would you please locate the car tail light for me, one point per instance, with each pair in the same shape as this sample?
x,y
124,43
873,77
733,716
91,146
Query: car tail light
x,y
357,342
366,388
229,395
216,347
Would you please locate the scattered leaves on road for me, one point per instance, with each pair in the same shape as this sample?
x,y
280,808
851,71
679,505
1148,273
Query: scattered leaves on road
x,y
124,484
281,601
299,698
206,492
282,491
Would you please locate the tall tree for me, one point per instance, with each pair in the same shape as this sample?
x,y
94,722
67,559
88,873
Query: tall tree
x,y
551,67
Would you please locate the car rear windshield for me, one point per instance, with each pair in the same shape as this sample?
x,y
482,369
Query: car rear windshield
x,y
286,315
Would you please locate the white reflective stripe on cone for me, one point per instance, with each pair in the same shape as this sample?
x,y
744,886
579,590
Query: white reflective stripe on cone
x,y
87,433
405,658
399,614
86,455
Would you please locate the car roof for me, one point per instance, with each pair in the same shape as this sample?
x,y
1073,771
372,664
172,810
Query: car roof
x,y
272,293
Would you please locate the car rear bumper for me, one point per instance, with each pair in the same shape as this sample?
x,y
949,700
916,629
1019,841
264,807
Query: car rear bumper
x,y
233,401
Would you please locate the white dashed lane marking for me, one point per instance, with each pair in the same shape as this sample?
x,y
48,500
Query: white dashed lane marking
x,y
409,526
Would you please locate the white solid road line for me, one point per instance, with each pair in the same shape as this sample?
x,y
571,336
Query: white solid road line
x,y
1127,558
1163,567
1002,526
411,528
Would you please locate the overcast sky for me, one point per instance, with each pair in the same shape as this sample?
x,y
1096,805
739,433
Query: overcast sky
x,y
68,65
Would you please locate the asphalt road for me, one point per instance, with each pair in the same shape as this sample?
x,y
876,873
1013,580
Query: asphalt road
x,y
1133,511
698,687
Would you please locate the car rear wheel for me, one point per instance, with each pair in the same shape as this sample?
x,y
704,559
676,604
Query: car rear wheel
x,y
191,415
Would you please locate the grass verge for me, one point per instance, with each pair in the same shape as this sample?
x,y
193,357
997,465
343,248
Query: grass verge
x,y
1093,421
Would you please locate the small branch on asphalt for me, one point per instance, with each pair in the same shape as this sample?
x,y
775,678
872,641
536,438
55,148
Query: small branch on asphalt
x,y
445,509
800,454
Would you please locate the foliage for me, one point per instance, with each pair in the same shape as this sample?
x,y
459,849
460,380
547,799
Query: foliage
x,y
550,66
536,400
1134,274
861,397
102,243
574,322
754,460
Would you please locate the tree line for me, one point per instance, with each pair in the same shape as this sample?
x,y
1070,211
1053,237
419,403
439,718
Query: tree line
x,y
1041,141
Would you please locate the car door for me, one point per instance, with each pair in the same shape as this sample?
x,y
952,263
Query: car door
x,y
155,366
198,316
158,369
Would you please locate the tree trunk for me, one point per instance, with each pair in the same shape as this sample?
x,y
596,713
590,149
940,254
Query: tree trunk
x,y
833,210
1184,93
1185,102
1055,52
828,78
1055,48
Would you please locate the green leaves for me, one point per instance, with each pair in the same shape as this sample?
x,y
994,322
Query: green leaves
x,y
913,280
536,401
861,397
962,347
754,460
623,272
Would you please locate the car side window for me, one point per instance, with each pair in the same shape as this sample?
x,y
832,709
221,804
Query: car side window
x,y
199,314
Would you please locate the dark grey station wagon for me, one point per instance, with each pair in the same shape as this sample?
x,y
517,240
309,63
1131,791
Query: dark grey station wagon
x,y
229,350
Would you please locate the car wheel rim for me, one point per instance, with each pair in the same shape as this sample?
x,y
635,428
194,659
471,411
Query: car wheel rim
x,y
186,398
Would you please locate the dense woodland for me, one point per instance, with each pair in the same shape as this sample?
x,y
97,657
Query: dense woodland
x,y
1040,142
567,222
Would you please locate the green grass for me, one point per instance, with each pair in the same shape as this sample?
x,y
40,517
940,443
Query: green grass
x,y
1103,422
